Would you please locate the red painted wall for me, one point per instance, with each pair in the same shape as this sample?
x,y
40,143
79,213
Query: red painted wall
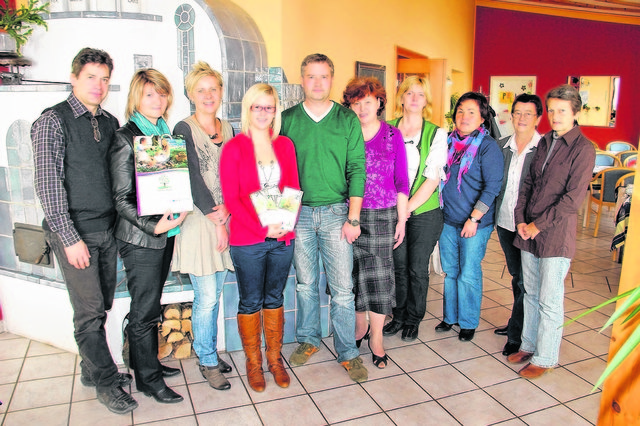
x,y
552,48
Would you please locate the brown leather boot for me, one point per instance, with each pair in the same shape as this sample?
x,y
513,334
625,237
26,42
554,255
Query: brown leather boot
x,y
273,331
250,331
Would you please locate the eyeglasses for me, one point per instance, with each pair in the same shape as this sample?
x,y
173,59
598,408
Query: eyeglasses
x,y
96,129
526,115
258,108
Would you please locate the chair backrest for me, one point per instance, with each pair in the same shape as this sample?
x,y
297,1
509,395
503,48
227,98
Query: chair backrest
x,y
622,155
630,161
606,159
609,179
625,180
617,146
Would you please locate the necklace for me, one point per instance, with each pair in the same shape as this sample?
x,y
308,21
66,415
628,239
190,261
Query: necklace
x,y
267,179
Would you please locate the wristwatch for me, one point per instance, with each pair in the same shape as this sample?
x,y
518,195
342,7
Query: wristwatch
x,y
353,222
474,220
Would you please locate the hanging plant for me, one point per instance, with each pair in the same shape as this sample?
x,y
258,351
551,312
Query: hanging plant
x,y
19,22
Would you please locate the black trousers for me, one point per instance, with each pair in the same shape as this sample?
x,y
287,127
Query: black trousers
x,y
411,263
147,270
91,292
514,265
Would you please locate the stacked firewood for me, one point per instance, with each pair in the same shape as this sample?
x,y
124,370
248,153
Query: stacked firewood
x,y
174,332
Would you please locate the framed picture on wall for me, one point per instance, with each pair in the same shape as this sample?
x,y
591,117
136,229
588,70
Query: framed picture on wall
x,y
364,69
504,90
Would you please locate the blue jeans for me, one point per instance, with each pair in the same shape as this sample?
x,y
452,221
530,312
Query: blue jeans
x,y
514,265
206,298
461,260
261,270
318,235
543,307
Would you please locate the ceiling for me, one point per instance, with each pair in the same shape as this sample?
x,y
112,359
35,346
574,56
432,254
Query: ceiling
x,y
606,10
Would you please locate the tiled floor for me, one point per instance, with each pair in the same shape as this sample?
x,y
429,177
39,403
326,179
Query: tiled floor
x,y
434,380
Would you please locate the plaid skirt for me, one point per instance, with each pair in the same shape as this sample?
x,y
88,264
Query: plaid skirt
x,y
374,282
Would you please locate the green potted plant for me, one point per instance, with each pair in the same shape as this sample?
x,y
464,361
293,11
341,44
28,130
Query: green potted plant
x,y
18,23
633,296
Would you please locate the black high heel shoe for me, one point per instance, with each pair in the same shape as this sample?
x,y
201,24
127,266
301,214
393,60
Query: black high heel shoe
x,y
377,360
365,337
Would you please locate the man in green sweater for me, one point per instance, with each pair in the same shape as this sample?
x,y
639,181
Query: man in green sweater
x,y
331,166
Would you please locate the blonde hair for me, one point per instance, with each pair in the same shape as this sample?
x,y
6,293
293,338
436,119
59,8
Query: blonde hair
x,y
404,88
250,97
136,89
199,70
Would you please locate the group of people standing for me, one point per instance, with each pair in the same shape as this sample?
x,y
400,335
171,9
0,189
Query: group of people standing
x,y
377,197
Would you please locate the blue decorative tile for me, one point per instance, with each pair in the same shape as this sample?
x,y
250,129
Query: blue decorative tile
x,y
15,184
235,55
8,257
4,184
13,157
249,80
230,298
6,225
232,338
289,327
235,86
234,110
251,55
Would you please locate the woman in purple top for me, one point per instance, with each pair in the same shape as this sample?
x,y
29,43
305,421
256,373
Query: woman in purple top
x,y
383,215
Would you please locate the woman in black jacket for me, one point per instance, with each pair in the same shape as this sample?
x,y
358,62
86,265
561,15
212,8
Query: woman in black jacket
x,y
142,241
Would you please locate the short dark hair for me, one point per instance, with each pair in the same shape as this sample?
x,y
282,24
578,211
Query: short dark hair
x,y
566,93
91,56
525,98
361,87
315,57
483,105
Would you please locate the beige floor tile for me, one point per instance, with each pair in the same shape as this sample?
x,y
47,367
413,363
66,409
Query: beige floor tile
x,y
489,303
453,350
415,357
512,422
82,392
10,369
42,367
178,421
587,407
591,341
573,307
245,416
8,336
520,396
425,414
191,372
570,353
323,355
205,398
325,375
443,381
590,369
485,371
503,296
6,391
434,307
496,316
475,408
489,284
563,385
93,413
574,327
489,341
13,348
50,416
395,392
37,348
380,419
587,298
345,403
561,416
273,391
150,411
41,393
376,373
288,412
427,331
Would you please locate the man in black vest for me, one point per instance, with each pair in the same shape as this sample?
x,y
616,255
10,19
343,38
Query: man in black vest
x,y
70,145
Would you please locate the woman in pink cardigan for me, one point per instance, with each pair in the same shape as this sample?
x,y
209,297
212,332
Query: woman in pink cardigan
x,y
259,159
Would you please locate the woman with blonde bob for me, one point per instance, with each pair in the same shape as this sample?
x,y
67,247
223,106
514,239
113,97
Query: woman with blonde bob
x,y
202,248
143,243
426,147
259,159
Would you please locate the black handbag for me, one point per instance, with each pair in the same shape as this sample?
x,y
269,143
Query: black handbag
x,y
30,245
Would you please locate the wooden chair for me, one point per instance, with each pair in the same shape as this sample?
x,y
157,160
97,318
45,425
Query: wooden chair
x,y
605,195
618,146
621,186
623,155
630,161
